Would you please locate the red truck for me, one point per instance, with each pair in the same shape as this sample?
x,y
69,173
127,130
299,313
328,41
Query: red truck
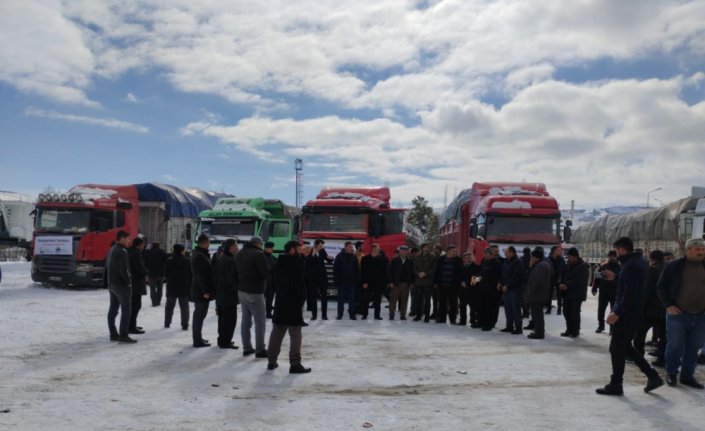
x,y
517,214
338,215
73,231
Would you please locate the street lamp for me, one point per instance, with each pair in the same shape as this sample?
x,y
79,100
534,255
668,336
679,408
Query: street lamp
x,y
648,195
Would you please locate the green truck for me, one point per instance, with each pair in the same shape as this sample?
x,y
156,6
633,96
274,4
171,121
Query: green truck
x,y
243,218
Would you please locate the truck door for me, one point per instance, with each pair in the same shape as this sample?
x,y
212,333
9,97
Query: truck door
x,y
280,232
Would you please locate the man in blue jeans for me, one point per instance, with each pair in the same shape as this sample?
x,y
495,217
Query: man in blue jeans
x,y
681,289
346,274
512,283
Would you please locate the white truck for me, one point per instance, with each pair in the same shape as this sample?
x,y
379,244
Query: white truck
x,y
16,221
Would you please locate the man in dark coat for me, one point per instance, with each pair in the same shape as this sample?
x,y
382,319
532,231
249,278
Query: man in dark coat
x,y
139,274
253,273
401,277
118,281
654,311
558,263
374,278
346,272
155,258
289,280
449,274
607,288
681,289
202,288
538,289
467,294
486,283
317,278
512,282
574,287
269,290
626,317
226,298
177,270
424,279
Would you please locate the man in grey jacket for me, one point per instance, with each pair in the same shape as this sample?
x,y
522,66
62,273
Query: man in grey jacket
x,y
538,290
117,277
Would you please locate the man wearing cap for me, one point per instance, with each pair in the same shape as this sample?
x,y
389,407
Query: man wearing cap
x,y
270,289
574,286
626,317
346,272
681,289
253,273
401,277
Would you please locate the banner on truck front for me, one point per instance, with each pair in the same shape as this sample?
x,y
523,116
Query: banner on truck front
x,y
56,245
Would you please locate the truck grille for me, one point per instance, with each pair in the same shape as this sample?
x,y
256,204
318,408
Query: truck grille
x,y
54,264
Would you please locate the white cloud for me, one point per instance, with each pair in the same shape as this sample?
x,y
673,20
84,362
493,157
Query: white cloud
x,y
131,98
103,122
169,177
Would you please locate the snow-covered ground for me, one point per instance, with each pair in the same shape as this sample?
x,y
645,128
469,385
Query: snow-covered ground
x,y
58,371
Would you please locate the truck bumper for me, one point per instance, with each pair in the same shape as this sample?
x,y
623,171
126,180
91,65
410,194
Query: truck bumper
x,y
79,278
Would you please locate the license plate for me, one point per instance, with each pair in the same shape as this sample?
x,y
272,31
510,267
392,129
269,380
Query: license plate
x,y
54,278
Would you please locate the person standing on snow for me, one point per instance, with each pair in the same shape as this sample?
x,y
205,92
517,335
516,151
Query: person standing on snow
x,y
139,274
118,281
253,273
202,288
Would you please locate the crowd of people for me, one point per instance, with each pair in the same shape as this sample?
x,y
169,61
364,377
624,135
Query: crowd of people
x,y
429,284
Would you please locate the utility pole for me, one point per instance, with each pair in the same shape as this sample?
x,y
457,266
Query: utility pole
x,y
299,167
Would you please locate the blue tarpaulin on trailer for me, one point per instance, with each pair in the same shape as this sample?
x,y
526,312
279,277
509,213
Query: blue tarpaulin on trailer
x,y
179,201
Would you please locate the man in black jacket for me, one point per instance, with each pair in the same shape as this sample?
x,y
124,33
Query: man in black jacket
x,y
467,294
269,290
681,289
118,281
449,274
346,273
607,288
558,263
538,289
374,278
513,272
401,277
625,318
288,316
317,277
253,273
178,286
226,298
202,288
574,287
486,283
654,311
139,274
155,258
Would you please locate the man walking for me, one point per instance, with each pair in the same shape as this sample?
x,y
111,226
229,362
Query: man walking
x,y
574,287
424,272
117,278
538,289
606,287
511,284
288,316
139,273
202,288
253,273
155,259
401,277
654,311
346,272
226,298
178,285
682,291
625,318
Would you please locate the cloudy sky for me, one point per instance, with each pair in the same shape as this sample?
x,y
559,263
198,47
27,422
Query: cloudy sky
x,y
601,100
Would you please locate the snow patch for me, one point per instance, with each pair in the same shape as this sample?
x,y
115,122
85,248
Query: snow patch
x,y
515,204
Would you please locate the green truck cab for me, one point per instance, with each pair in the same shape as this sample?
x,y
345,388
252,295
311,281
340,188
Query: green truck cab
x,y
243,218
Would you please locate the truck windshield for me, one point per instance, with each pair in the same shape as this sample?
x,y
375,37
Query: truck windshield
x,y
74,221
336,222
227,228
523,229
